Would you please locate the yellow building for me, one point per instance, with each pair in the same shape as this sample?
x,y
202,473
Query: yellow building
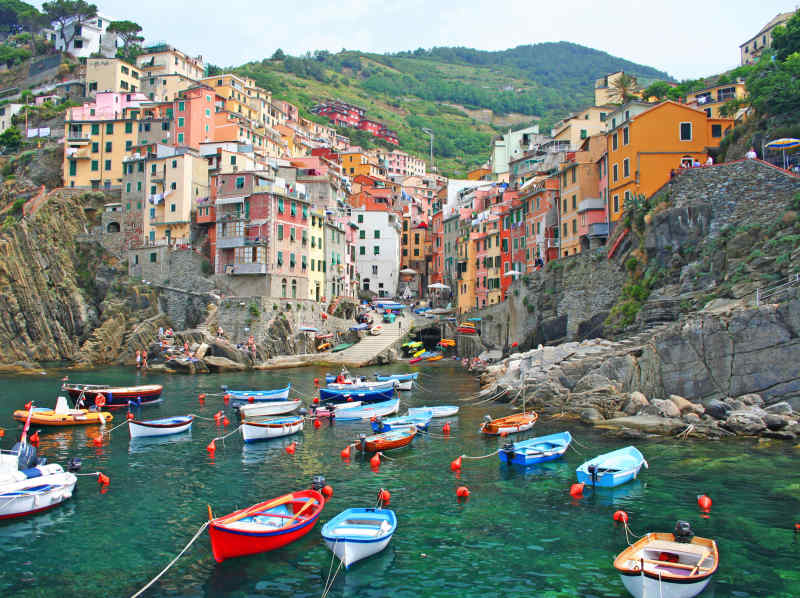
x,y
577,127
315,246
94,151
711,99
162,59
604,89
165,88
111,74
356,163
465,275
750,51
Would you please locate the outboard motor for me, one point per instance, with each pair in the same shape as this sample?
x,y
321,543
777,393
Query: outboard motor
x,y
487,419
362,439
74,464
379,423
318,483
27,457
508,451
683,532
593,472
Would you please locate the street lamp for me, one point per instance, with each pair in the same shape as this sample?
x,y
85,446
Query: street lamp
x,y
429,132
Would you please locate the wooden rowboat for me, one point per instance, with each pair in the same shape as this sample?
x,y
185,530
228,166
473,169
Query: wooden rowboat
x,y
265,526
511,424
356,534
612,469
536,450
266,408
116,397
669,565
388,440
271,428
160,427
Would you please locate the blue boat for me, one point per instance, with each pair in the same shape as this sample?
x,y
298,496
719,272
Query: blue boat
x,y
612,469
243,396
535,450
401,377
393,423
345,395
365,412
355,534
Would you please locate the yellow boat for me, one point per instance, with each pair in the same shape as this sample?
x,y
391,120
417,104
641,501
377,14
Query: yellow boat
x,y
324,347
62,415
447,342
418,353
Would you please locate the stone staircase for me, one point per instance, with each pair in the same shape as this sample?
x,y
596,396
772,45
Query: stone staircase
x,y
369,347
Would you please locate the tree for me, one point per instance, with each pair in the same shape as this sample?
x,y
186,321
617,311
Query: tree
x,y
11,139
9,15
623,89
658,90
278,55
32,21
128,32
69,12
786,39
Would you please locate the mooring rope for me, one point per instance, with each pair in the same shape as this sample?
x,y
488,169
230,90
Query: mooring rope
x,y
173,561
482,456
115,427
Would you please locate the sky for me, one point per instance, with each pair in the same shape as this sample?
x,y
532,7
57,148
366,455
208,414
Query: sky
x,y
687,40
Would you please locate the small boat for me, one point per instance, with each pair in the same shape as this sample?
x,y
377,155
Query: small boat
x,y
355,534
467,324
62,415
466,330
437,411
253,431
116,397
376,330
419,353
323,347
355,394
329,410
510,424
265,526
414,360
536,450
341,347
363,385
434,357
400,377
389,318
357,327
160,427
447,342
420,422
411,347
677,565
253,396
612,469
366,412
308,329
266,408
388,440
320,337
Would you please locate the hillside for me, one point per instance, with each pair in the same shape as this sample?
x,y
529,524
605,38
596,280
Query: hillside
x,y
448,90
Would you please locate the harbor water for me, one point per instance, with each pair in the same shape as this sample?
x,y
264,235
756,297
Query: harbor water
x,y
520,533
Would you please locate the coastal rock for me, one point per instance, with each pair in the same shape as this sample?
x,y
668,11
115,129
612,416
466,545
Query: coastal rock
x,y
681,403
635,403
691,418
780,435
774,422
744,423
717,409
223,364
666,408
781,408
590,415
752,399
593,381
201,351
647,423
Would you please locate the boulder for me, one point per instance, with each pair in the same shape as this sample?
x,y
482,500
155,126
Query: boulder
x,y
774,422
666,408
223,364
717,409
181,365
681,403
590,415
635,403
201,351
592,381
782,408
744,423
780,435
752,399
735,404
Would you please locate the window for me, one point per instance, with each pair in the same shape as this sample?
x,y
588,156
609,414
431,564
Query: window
x,y
616,203
78,43
95,165
615,172
173,185
95,148
181,106
360,218
173,208
602,117
280,233
625,136
73,167
129,127
293,209
716,130
128,144
686,131
614,144
362,250
240,185
109,128
584,132
574,226
180,137
362,234
280,205
626,168
139,185
574,174
376,250
574,202
95,129
292,234
152,213
108,146
374,270
181,122
377,234
153,257
280,258
152,189
128,190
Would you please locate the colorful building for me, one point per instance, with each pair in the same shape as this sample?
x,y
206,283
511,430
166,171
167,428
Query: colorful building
x,y
162,59
750,51
711,99
378,255
318,248
579,192
111,74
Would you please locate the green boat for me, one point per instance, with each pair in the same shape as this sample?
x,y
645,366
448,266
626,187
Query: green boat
x,y
389,318
341,347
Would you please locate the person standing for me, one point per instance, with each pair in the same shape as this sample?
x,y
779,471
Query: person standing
x,y
138,359
751,154
144,359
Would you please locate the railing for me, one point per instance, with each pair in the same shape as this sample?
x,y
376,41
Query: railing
x,y
228,242
773,291
598,229
252,268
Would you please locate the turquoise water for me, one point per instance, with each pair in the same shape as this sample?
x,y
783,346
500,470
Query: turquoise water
x,y
520,533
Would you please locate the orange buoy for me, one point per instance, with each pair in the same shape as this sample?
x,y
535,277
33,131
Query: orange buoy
x,y
503,434
130,416
225,421
34,439
97,440
620,516
316,381
212,447
2,432
251,399
315,400
704,502
291,448
202,396
375,461
576,490
327,491
103,479
345,454
455,464
797,527
462,492
446,428
384,496
317,423
226,398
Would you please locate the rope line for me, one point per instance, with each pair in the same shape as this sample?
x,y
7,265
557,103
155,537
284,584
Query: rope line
x,y
115,427
481,457
173,561
222,438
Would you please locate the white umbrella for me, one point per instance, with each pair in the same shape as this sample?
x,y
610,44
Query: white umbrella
x,y
407,271
438,285
512,273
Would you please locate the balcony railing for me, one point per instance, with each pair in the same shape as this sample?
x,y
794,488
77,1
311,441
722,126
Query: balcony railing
x,y
598,229
228,242
251,268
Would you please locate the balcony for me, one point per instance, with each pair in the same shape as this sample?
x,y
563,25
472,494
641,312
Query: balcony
x,y
251,268
75,153
228,242
591,204
553,243
598,229
224,201
230,216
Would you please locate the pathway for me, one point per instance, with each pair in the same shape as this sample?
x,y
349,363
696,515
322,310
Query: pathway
x,y
369,347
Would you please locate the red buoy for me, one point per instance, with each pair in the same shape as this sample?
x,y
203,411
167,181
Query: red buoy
x,y
225,421
384,496
446,428
345,454
462,492
797,527
620,516
455,464
349,399
316,381
103,479
212,447
317,423
315,400
34,439
100,400
28,405
226,398
576,490
130,416
202,396
97,440
375,461
327,491
704,502
251,399
515,344
503,434
291,448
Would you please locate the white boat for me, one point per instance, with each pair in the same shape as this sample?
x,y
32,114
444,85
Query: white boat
x,y
376,330
364,385
355,534
368,411
160,427
32,490
271,428
403,381
437,411
267,408
669,565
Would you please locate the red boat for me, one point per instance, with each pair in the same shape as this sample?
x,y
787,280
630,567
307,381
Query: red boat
x,y
415,360
388,440
116,397
466,330
265,526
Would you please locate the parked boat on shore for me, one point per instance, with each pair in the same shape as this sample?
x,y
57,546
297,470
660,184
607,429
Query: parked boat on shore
x,y
355,534
160,427
612,469
116,397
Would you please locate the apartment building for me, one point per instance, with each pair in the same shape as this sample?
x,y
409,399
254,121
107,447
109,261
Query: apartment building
x,y
91,37
111,74
163,59
378,254
751,50
579,191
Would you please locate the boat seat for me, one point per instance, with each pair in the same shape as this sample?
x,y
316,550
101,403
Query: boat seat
x,y
365,531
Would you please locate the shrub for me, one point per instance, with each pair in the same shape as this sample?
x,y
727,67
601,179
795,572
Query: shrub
x,y
205,267
253,309
631,264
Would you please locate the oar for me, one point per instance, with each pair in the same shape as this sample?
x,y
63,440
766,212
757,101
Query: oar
x,y
305,506
260,507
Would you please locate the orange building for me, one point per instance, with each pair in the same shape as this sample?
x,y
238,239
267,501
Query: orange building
x,y
644,148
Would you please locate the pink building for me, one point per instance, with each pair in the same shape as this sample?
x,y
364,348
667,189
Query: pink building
x,y
108,105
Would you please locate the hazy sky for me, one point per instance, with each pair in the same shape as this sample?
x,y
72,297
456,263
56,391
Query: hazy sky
x,y
687,39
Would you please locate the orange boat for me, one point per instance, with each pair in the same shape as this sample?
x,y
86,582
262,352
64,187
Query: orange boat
x,y
511,424
388,440
434,358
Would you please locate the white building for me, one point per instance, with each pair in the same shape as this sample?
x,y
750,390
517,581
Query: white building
x,y
510,146
90,38
378,250
6,112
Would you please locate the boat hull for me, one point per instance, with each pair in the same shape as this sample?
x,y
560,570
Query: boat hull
x,y
255,431
438,411
116,397
266,408
537,450
616,468
511,424
356,534
241,397
177,425
364,386
37,494
51,418
365,396
646,587
367,411
389,440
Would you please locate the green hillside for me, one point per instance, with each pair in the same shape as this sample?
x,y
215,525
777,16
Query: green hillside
x,y
465,96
